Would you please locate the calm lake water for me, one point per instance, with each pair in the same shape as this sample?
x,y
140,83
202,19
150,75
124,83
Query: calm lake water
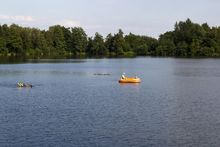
x,y
177,103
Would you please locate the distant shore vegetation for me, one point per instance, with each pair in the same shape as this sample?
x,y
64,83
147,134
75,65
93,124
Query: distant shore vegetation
x,y
188,39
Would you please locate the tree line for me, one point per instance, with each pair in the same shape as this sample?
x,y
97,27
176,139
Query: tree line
x,y
188,39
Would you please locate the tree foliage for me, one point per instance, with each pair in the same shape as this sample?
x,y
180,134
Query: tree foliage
x,y
188,39
191,40
96,46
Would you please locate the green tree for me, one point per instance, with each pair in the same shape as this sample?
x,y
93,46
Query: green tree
x,y
58,39
68,39
14,43
195,48
49,42
141,45
26,39
119,45
39,44
3,49
97,46
166,45
181,49
109,44
79,41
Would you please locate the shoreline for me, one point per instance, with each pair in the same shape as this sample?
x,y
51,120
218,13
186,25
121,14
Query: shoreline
x,y
15,60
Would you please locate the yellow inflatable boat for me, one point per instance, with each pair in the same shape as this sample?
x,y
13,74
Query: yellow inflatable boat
x,y
130,80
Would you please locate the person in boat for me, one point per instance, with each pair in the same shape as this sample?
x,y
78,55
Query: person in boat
x,y
123,76
21,84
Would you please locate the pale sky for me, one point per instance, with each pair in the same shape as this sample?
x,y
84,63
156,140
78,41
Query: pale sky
x,y
144,17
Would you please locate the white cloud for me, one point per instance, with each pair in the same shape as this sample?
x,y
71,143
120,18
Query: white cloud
x,y
17,18
70,23
23,18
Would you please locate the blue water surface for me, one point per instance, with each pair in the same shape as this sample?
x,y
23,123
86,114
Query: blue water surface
x,y
79,102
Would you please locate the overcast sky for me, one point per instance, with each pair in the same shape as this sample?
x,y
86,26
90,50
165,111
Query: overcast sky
x,y
144,17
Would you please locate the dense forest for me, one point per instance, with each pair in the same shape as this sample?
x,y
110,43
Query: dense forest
x,y
188,39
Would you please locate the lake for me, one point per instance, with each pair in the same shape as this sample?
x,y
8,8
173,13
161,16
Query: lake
x,y
79,102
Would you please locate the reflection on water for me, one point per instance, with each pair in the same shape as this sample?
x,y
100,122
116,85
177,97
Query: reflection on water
x,y
11,60
129,84
16,60
56,60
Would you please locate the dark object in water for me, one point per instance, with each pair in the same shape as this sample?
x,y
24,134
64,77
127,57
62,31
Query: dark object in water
x,y
102,74
21,84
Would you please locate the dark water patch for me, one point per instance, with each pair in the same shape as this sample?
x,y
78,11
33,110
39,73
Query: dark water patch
x,y
102,74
